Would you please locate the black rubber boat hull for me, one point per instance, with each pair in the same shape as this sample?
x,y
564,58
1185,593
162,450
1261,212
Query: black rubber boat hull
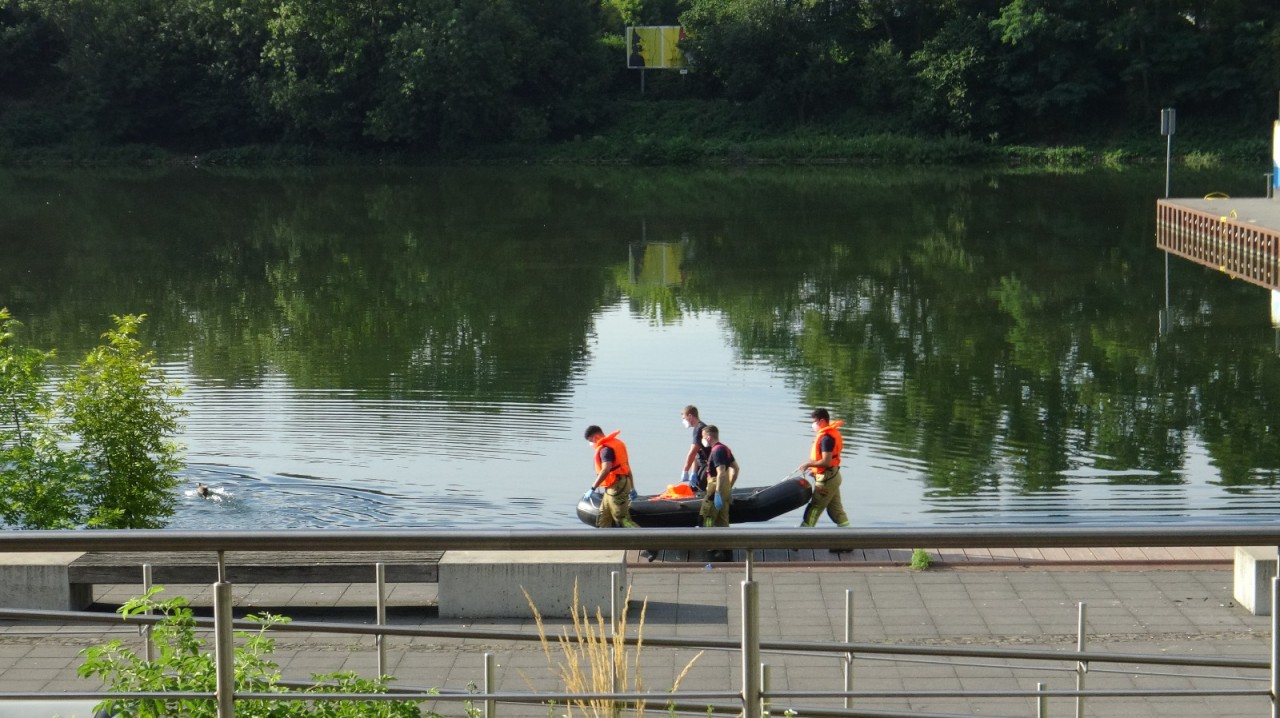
x,y
750,504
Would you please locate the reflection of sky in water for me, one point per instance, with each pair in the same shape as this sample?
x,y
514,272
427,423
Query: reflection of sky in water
x,y
332,459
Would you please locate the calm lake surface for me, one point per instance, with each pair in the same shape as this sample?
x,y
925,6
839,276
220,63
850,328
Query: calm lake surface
x,y
423,348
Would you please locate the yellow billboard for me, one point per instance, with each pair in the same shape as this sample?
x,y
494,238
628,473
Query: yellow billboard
x,y
655,47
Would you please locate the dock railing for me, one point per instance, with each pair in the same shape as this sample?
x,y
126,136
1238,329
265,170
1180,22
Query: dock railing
x,y
754,699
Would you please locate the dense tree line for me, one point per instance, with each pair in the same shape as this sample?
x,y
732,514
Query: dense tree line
x,y
451,74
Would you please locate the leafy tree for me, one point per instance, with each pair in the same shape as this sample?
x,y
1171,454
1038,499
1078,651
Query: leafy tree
x,y
321,59
460,73
40,484
118,404
789,58
1049,58
954,67
114,414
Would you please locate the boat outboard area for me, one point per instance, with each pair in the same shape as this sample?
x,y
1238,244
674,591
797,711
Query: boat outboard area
x,y
750,504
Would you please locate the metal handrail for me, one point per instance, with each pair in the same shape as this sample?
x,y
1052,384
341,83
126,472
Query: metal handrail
x,y
832,647
570,539
755,691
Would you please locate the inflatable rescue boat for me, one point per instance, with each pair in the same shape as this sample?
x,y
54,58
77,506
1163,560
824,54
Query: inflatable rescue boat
x,y
674,510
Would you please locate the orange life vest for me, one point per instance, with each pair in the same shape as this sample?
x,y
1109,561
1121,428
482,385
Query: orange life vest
x,y
832,429
621,467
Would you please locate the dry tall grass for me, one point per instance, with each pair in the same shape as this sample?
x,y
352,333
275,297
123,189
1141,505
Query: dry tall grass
x,y
593,653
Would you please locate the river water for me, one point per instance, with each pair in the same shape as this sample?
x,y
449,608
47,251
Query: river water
x,y
424,347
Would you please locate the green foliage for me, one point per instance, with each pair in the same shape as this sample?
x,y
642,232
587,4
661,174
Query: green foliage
x,y
920,559
1116,158
1198,160
186,663
40,484
119,405
100,453
482,79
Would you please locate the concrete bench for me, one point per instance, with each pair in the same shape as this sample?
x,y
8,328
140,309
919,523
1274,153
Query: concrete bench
x,y
487,584
1254,568
43,581
65,581
52,708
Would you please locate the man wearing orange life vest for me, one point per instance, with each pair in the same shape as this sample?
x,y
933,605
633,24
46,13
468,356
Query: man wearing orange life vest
x,y
824,464
613,473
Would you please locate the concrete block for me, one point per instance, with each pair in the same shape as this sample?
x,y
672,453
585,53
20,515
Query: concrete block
x,y
41,580
1255,566
51,708
486,584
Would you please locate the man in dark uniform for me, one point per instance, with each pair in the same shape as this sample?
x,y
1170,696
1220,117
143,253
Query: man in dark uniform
x,y
722,474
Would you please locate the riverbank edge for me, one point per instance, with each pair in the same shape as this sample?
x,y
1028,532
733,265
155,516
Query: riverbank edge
x,y
783,150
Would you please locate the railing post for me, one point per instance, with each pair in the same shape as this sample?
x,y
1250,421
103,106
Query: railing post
x,y
848,638
380,578
224,648
1042,702
616,606
490,685
149,645
1082,667
1275,647
766,683
750,649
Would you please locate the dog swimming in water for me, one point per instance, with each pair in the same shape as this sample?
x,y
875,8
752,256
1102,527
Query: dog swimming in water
x,y
202,491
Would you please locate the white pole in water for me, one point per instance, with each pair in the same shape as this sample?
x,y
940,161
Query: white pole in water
x,y
1168,122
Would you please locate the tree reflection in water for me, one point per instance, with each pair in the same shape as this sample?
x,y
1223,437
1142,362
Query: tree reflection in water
x,y
434,337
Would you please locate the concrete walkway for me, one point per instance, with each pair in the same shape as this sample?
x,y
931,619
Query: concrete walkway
x,y
1132,608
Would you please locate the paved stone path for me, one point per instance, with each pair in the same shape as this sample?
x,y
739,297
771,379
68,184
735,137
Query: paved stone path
x,y
1157,608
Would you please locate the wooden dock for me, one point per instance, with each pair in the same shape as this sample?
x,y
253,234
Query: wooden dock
x,y
1238,237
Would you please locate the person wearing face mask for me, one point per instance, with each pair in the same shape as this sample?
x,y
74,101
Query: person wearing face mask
x,y
722,474
694,472
824,465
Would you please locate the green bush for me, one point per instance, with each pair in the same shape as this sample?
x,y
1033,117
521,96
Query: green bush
x,y
1198,160
102,452
920,559
186,663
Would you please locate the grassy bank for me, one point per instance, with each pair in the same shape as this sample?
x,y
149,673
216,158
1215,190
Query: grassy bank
x,y
693,133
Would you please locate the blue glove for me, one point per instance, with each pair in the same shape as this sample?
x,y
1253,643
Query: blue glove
x,y
719,502
634,494
587,495
686,477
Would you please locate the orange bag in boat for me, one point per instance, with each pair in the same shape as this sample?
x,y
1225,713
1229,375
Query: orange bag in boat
x,y
676,491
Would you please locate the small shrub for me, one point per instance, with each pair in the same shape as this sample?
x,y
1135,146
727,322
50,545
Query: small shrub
x,y
1115,159
1198,160
1065,156
186,663
593,654
920,559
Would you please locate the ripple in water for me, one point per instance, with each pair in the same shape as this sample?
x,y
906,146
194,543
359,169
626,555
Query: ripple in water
x,y
241,499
